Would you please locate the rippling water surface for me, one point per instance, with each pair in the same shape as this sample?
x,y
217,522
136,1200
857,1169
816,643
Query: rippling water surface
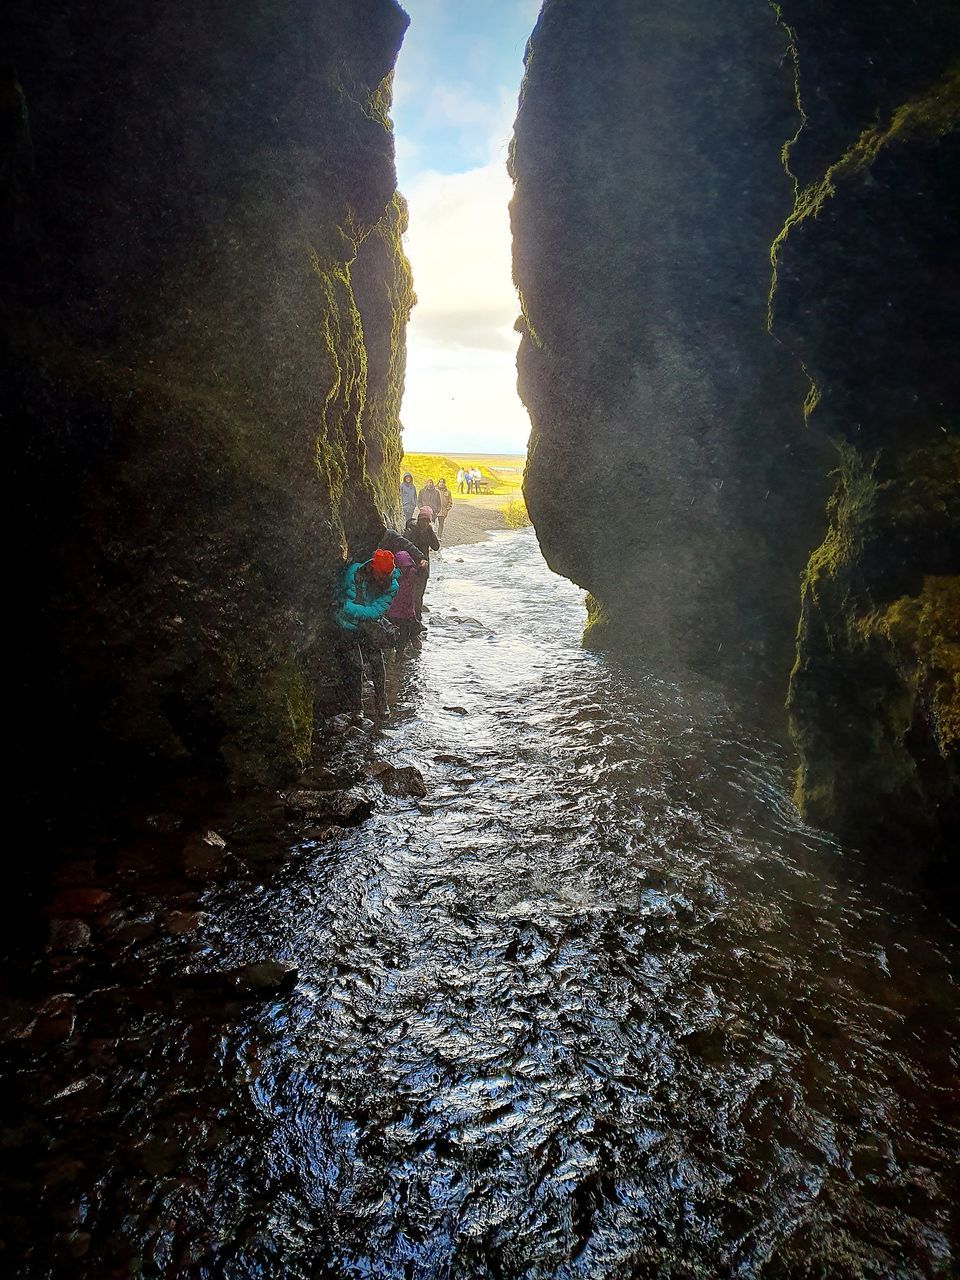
x,y
599,1006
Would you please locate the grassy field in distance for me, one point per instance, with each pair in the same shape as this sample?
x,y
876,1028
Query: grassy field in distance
x,y
431,466
507,461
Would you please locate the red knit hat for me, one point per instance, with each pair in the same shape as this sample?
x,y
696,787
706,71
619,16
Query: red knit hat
x,y
382,563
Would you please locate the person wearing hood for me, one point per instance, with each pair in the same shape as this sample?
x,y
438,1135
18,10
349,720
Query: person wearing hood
x,y
403,610
408,497
386,538
420,532
366,594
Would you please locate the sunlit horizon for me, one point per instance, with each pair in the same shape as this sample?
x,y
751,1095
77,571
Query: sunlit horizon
x,y
455,98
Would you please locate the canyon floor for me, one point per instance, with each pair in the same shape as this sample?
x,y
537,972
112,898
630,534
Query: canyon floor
x,y
544,979
473,520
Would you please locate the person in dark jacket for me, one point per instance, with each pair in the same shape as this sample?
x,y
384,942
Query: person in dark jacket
x,y
420,532
446,505
430,497
367,592
386,537
408,497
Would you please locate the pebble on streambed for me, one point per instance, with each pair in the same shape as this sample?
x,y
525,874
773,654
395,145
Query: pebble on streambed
x,y
398,780
338,808
264,978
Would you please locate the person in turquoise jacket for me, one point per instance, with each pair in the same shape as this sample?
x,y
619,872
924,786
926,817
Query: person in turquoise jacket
x,y
368,589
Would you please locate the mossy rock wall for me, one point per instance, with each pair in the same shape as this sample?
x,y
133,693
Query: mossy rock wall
x,y
866,292
690,178
667,472
203,347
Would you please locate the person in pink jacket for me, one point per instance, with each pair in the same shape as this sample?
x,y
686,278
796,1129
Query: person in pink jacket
x,y
403,610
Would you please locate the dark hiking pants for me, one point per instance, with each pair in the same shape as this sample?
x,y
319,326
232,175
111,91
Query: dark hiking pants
x,y
353,653
408,632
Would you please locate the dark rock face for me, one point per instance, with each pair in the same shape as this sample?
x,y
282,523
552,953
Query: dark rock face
x,y
666,471
204,309
648,194
867,293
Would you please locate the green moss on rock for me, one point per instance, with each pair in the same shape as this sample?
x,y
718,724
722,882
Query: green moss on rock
x,y
926,119
865,293
595,633
202,402
665,471
383,287
874,693
924,632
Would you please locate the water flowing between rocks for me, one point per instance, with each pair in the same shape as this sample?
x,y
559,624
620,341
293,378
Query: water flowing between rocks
x,y
598,1006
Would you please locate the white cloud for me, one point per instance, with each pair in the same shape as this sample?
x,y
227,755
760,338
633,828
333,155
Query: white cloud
x,y
406,150
459,246
501,128
457,104
461,375
463,402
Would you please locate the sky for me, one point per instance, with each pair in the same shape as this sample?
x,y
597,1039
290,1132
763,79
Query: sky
x,y
455,98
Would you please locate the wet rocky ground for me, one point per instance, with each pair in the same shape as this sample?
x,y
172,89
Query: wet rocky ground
x,y
109,965
542,978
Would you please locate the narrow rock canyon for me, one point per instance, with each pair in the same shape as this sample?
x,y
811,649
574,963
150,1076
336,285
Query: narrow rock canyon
x,y
734,239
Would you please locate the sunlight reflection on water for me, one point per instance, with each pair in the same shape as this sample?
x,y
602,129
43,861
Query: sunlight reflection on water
x,y
603,1005
598,1006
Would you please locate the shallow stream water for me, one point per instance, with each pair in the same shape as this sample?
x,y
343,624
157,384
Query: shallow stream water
x,y
598,1006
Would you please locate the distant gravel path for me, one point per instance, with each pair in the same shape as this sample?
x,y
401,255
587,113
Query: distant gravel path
x,y
472,518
